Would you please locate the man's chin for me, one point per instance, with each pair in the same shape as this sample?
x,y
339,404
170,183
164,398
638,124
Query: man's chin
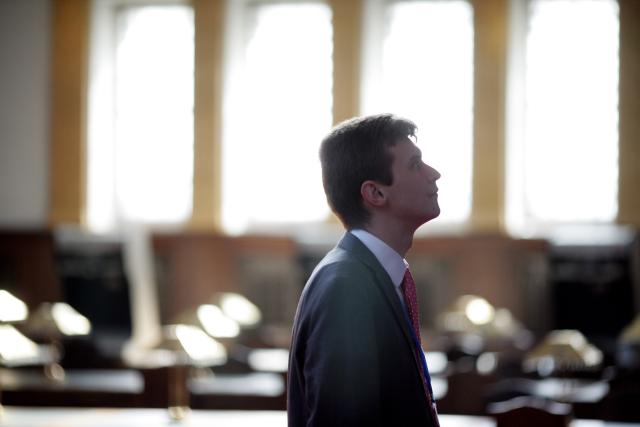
x,y
431,215
435,213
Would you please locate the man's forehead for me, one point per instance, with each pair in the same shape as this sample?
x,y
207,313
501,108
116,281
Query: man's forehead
x,y
405,151
408,145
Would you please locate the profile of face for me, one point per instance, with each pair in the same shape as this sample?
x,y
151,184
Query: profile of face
x,y
413,195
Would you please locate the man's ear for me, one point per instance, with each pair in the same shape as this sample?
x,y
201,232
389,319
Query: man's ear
x,y
372,193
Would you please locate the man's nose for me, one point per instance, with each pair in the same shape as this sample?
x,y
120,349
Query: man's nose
x,y
434,175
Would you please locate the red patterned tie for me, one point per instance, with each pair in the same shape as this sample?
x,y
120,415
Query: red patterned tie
x,y
408,287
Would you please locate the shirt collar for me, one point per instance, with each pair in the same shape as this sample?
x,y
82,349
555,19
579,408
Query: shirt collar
x,y
391,261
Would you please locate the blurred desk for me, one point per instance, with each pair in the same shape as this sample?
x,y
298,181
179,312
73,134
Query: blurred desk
x,y
88,380
89,388
256,391
145,388
93,417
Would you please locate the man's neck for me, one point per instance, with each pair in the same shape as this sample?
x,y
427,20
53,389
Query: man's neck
x,y
397,236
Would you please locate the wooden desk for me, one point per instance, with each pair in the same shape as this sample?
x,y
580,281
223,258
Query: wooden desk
x,y
104,417
148,388
89,388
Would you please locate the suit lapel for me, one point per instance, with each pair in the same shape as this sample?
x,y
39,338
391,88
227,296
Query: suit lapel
x,y
354,246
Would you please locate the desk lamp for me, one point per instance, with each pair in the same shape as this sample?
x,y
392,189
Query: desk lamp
x,y
474,323
224,318
15,348
211,319
564,350
52,323
238,308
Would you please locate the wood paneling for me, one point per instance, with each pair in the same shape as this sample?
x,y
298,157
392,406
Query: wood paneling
x,y
209,30
347,35
490,52
68,110
629,178
27,266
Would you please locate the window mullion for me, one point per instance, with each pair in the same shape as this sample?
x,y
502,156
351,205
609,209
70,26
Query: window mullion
x,y
209,33
490,58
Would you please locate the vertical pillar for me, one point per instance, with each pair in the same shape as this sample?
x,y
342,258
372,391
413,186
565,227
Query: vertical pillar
x,y
69,56
490,53
347,37
209,34
629,105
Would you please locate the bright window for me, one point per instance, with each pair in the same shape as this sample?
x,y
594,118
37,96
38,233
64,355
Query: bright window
x,y
421,66
140,157
564,155
278,107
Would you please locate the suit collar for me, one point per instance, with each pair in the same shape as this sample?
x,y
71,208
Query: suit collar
x,y
394,264
354,246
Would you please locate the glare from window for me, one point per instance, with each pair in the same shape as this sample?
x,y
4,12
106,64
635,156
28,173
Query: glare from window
x,y
154,122
571,111
278,108
144,172
424,71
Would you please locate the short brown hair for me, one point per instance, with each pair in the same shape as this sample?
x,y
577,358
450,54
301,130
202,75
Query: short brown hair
x,y
355,151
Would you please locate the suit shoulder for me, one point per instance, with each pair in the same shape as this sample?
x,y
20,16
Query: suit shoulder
x,y
338,276
340,265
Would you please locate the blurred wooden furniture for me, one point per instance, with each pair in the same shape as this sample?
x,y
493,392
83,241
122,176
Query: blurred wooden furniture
x,y
191,266
81,388
509,273
163,387
27,266
95,417
530,412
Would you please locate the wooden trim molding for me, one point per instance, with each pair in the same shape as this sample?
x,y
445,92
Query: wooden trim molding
x,y
69,59
490,53
629,107
347,16
209,34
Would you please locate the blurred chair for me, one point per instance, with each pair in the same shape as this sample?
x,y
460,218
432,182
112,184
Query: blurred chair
x,y
209,281
27,266
48,270
510,273
193,267
190,267
94,281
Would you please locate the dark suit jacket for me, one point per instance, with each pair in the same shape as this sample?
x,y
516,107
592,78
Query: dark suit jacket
x,y
352,360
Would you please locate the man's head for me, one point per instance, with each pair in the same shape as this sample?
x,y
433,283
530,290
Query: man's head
x,y
358,160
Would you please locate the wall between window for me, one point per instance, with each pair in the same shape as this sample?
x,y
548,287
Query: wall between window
x,y
25,28
629,125
69,66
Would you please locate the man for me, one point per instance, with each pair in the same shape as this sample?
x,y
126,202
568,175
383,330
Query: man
x,y
356,358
